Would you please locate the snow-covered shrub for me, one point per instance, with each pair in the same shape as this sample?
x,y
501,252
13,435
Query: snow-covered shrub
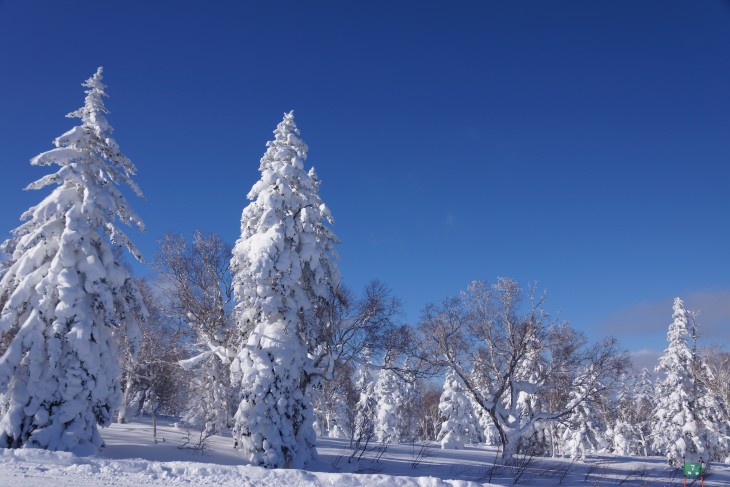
x,y
457,427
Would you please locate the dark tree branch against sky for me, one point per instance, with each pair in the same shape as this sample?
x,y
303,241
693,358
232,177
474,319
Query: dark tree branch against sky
x,y
585,145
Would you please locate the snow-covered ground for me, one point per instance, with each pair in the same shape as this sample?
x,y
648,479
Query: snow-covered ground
x,y
131,458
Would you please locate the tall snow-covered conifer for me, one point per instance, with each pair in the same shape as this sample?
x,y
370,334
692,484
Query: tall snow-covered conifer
x,y
686,418
390,393
67,294
284,263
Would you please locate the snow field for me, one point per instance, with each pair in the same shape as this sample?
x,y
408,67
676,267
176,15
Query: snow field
x,y
131,458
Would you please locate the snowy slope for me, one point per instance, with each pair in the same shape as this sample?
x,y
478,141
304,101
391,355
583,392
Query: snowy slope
x,y
131,458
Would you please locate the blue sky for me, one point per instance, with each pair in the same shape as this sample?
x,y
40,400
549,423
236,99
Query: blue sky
x,y
584,145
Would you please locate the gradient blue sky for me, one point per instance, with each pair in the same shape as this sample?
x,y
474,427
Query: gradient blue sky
x,y
585,145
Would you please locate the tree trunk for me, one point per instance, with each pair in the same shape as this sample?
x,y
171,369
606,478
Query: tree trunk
x,y
122,414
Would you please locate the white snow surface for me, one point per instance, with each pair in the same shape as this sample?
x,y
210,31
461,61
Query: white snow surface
x,y
131,458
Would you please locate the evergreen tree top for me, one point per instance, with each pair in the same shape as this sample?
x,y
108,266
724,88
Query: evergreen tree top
x,y
287,134
677,359
285,259
282,169
92,167
92,113
679,329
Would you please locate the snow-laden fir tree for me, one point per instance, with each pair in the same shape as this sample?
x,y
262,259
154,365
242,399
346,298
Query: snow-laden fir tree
x,y
283,264
457,427
585,427
527,408
366,407
687,421
67,294
486,430
717,362
390,395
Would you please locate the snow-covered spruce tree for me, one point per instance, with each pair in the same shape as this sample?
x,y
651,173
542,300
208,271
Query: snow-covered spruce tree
x,y
283,265
585,428
686,418
486,430
390,395
67,294
712,414
457,428
366,406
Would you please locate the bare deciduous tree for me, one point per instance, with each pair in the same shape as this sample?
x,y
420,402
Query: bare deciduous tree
x,y
514,360
196,280
154,369
344,327
429,420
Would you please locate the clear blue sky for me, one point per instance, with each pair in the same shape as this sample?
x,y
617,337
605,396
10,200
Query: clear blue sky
x,y
585,145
